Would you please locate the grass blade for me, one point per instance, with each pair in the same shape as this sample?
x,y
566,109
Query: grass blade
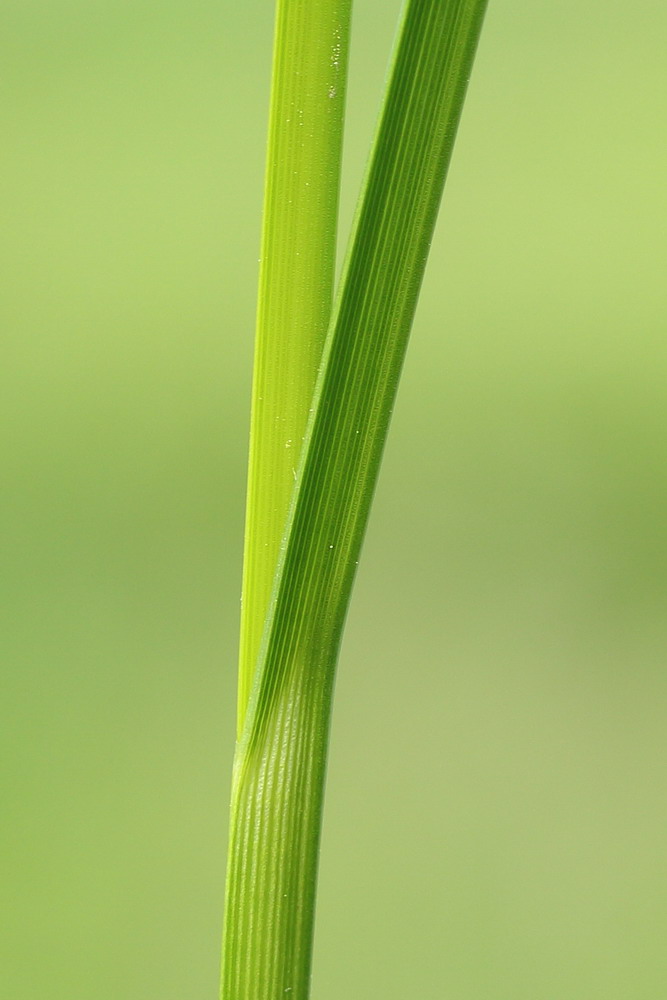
x,y
295,284
281,755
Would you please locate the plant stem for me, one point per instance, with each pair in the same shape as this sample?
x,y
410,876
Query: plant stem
x,y
280,759
295,284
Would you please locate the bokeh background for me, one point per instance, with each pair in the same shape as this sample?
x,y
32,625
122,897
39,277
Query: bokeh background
x,y
496,817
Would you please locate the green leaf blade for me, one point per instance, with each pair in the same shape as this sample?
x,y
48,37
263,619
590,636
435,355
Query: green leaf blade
x,y
367,340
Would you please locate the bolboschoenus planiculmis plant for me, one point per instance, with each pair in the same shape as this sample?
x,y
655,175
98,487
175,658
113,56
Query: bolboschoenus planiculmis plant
x,y
325,377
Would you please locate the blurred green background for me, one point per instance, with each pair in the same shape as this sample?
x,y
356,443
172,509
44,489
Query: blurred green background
x,y
496,816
